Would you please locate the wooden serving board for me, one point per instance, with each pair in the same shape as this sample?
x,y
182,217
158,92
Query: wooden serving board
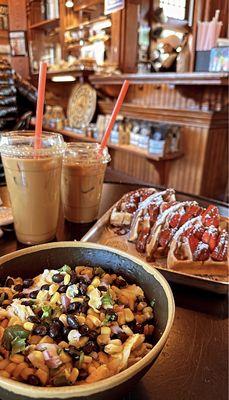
x,y
103,233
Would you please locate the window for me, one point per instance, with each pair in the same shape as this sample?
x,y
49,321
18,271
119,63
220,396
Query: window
x,y
174,8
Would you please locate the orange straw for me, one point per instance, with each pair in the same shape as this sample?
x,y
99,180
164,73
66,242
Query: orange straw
x,y
114,114
40,104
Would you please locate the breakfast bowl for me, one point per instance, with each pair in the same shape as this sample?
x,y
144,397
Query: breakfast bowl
x,y
29,262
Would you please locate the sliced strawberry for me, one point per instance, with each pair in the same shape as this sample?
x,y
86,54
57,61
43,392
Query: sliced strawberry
x,y
211,216
202,252
193,243
175,220
210,237
153,211
220,252
198,231
130,207
165,237
191,212
166,205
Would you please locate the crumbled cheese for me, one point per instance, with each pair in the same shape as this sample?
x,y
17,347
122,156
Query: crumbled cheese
x,y
72,291
73,336
95,299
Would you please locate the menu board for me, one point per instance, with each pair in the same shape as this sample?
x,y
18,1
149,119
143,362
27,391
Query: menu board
x,y
111,6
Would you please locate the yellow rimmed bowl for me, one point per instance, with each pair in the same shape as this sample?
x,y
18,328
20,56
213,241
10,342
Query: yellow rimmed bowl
x,y
32,261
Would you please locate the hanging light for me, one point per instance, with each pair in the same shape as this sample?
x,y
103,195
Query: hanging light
x,y
69,3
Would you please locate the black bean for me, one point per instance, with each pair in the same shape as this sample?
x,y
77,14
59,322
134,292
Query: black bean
x,y
5,296
18,287
74,278
84,308
138,328
72,322
111,315
122,336
89,347
82,288
33,380
45,287
73,352
40,330
27,283
19,295
33,295
83,329
27,303
102,288
82,375
39,313
62,288
66,331
58,322
73,307
9,282
83,280
55,330
119,282
33,319
57,278
92,335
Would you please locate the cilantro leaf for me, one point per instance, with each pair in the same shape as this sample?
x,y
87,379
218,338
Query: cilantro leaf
x,y
13,332
47,311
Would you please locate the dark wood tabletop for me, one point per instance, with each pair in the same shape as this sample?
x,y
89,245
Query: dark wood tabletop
x,y
194,362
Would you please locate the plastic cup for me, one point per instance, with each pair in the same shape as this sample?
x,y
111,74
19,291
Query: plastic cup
x,y
33,179
82,181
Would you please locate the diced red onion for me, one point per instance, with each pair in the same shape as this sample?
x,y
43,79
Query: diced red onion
x,y
47,355
65,301
116,329
54,362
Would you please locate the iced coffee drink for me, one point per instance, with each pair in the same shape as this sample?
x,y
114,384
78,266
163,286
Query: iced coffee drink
x,y
82,181
33,180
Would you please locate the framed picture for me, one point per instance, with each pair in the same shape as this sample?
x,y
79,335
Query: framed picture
x,y
3,17
18,43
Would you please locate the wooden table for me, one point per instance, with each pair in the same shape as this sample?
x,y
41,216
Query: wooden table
x,y
193,364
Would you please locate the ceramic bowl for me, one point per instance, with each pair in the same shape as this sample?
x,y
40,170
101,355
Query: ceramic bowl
x,y
33,260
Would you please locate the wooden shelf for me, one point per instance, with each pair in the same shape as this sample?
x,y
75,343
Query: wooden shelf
x,y
87,23
46,24
189,78
75,72
125,148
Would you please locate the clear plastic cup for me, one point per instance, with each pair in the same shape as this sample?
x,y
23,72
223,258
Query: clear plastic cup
x,y
33,180
82,181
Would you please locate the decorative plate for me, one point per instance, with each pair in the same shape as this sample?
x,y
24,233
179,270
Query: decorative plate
x,y
6,216
81,106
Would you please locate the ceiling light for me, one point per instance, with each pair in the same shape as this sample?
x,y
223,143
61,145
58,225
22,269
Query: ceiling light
x,y
63,78
69,3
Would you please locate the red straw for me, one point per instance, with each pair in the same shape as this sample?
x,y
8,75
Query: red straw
x,y
40,104
114,114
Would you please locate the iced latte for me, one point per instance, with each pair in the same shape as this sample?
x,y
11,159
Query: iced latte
x,y
82,181
33,180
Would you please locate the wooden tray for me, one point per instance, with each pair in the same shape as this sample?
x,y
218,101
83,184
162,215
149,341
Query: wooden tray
x,y
103,234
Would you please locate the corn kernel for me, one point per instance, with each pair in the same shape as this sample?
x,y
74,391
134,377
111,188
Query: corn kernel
x,y
81,319
18,370
129,316
87,359
126,329
42,375
67,279
105,330
90,288
74,375
17,358
28,326
103,339
4,374
46,339
63,319
78,299
26,372
11,367
96,321
53,288
96,282
4,364
65,357
55,298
